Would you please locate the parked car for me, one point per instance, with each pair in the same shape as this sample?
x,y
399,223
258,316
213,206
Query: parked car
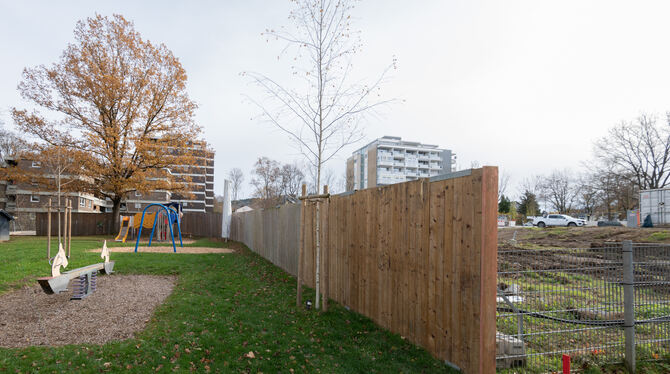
x,y
558,220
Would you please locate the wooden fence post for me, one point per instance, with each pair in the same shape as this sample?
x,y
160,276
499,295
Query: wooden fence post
x,y
302,244
317,262
324,254
64,228
49,230
69,227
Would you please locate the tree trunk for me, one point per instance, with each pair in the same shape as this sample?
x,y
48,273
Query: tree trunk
x,y
116,209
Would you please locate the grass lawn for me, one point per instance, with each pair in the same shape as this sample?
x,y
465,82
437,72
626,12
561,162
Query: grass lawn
x,y
223,307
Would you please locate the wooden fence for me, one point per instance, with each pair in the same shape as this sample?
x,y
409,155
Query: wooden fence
x,y
82,223
419,258
273,233
192,224
201,224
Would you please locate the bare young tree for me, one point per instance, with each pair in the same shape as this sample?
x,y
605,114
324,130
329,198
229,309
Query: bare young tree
x,y
503,183
560,190
588,193
336,184
324,115
640,149
11,144
265,179
291,179
236,177
63,168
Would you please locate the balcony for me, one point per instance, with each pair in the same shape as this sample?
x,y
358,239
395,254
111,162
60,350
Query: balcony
x,y
11,190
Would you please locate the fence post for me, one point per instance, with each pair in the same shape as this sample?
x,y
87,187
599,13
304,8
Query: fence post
x,y
324,250
629,305
49,230
69,228
298,299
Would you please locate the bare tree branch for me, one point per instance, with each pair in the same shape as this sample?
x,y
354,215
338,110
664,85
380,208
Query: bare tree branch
x,y
323,116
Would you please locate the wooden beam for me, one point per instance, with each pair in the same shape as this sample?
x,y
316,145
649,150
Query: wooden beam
x,y
301,247
324,250
69,227
488,269
49,230
310,197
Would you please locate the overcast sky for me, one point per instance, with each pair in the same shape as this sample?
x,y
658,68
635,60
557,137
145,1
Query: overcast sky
x,y
523,85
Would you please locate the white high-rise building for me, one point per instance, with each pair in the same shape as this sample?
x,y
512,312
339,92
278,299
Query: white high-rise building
x,y
389,160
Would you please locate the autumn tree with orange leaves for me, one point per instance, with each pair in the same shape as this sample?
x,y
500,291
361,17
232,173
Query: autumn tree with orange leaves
x,y
120,101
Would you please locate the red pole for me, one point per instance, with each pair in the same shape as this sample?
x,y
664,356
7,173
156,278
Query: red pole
x,y
566,364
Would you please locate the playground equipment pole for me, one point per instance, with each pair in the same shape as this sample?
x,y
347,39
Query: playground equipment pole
x,y
181,243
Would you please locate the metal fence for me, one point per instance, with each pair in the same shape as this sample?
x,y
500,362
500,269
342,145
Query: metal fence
x,y
596,305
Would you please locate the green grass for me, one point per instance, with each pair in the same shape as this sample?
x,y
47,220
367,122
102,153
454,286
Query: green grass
x,y
223,307
659,236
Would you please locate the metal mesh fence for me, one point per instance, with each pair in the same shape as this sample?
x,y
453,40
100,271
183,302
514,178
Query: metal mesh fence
x,y
553,302
651,274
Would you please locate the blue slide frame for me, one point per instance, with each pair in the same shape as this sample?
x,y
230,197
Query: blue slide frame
x,y
167,212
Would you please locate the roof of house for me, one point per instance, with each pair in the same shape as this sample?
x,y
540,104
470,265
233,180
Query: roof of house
x,y
8,216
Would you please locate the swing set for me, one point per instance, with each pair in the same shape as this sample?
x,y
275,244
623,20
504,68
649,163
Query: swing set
x,y
165,218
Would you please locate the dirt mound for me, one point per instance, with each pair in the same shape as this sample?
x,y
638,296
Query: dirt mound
x,y
121,306
580,237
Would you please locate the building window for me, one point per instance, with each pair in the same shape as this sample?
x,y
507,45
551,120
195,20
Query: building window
x,y
88,203
82,201
36,164
138,205
34,198
137,194
184,203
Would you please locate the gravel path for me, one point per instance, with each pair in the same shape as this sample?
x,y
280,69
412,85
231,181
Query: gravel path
x,y
121,306
161,249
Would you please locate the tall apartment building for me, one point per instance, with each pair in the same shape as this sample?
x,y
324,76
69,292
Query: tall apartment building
x,y
200,196
390,160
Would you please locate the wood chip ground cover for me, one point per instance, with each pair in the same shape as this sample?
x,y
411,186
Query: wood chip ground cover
x,y
121,306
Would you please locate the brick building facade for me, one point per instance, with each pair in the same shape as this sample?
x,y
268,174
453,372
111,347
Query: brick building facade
x,y
24,200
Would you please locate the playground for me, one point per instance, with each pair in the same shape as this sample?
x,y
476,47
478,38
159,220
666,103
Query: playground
x,y
205,312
